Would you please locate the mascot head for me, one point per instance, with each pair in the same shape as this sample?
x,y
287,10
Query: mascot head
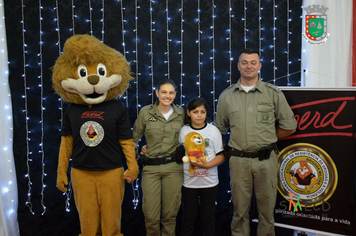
x,y
90,72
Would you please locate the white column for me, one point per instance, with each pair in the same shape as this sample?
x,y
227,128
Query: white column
x,y
8,186
329,63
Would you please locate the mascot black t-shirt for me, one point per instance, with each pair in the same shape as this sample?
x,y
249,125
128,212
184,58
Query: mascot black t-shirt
x,y
96,132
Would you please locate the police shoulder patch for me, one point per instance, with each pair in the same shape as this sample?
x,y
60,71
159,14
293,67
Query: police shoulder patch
x,y
269,85
231,86
228,89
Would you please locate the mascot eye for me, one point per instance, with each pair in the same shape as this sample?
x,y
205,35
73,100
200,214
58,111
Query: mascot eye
x,y
101,69
82,71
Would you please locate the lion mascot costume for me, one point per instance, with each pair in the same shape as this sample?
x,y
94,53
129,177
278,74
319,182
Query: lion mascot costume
x,y
194,144
96,132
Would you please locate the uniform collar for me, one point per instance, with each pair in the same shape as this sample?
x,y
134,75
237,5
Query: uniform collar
x,y
155,110
259,86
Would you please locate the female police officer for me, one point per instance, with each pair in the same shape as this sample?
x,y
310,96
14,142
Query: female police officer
x,y
162,176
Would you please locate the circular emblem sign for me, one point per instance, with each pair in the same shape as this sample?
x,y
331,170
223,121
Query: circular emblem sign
x,y
92,133
307,172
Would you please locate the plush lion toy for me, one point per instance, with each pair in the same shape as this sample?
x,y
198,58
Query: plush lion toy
x,y
194,144
96,132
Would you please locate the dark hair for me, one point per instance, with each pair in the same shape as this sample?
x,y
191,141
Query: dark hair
x,y
166,81
250,51
192,104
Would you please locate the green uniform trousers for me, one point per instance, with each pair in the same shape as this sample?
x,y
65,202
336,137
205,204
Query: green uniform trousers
x,y
161,188
246,174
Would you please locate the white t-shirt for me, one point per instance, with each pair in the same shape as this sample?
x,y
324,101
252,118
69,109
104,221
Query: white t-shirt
x,y
248,88
168,113
202,177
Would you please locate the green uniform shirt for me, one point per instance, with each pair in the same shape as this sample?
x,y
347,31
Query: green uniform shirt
x,y
161,134
252,116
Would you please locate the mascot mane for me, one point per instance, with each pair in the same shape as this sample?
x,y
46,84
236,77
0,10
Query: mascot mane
x,y
87,50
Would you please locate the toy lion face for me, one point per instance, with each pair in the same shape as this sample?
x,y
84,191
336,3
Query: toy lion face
x,y
90,72
194,142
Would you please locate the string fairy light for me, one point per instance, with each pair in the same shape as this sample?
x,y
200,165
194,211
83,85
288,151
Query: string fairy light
x,y
134,185
69,189
42,110
230,70
68,194
274,42
259,27
245,26
28,153
58,44
213,53
181,50
151,47
288,42
260,34
123,28
168,40
230,42
73,17
199,48
137,74
123,21
102,20
136,193
90,17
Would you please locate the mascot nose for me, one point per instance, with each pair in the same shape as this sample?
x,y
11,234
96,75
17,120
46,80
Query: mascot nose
x,y
93,79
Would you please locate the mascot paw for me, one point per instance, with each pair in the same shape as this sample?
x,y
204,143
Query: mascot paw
x,y
61,187
185,159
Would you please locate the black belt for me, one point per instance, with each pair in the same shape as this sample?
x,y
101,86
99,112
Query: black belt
x,y
174,157
160,160
262,154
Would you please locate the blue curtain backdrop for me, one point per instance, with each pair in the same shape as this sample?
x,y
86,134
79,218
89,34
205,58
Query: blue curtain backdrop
x,y
194,43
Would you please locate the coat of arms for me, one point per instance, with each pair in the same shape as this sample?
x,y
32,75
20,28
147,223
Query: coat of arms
x,y
316,24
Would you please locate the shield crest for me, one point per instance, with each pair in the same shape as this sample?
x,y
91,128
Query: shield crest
x,y
315,28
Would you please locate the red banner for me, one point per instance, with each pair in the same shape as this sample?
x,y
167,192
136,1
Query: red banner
x,y
317,163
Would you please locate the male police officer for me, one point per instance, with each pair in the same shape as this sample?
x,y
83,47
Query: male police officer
x,y
252,109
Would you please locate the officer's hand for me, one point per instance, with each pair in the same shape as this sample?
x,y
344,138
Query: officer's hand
x,y
129,179
143,150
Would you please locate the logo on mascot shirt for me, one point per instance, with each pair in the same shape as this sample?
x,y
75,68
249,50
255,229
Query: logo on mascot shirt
x,y
92,133
307,172
93,114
